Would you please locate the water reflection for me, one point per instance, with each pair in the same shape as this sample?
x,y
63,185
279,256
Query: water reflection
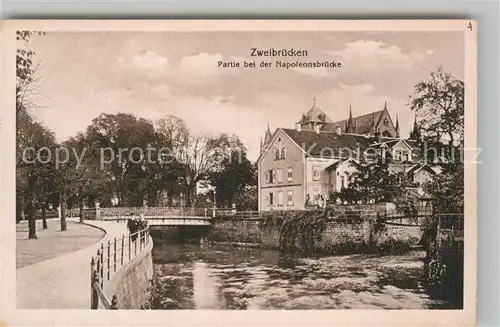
x,y
205,294
217,277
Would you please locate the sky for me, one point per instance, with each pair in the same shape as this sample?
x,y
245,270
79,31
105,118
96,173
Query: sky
x,y
152,75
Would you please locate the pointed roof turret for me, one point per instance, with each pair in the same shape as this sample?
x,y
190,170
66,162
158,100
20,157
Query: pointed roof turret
x,y
397,126
372,125
315,115
415,132
267,135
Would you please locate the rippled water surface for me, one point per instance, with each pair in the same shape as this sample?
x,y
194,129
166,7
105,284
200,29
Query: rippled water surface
x,y
217,277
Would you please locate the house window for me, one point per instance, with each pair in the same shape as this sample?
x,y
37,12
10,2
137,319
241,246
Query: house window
x,y
407,156
270,177
271,199
289,196
342,181
280,152
290,175
280,198
316,173
397,156
279,175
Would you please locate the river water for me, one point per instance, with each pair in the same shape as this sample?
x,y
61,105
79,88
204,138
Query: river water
x,y
222,277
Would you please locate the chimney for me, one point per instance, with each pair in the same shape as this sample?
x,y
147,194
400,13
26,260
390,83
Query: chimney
x,y
338,130
317,128
298,127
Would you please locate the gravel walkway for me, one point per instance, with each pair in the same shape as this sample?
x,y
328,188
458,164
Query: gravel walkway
x,y
51,242
62,282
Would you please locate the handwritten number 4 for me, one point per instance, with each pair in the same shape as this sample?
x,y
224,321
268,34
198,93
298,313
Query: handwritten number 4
x,y
469,26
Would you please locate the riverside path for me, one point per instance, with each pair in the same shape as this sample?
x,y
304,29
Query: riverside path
x,y
62,282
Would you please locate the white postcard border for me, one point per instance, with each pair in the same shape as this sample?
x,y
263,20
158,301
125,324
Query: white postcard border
x,y
9,315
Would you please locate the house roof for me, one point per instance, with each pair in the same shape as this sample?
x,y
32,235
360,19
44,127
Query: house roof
x,y
338,163
419,167
327,144
362,123
390,143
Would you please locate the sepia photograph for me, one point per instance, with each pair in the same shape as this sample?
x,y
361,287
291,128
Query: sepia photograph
x,y
210,167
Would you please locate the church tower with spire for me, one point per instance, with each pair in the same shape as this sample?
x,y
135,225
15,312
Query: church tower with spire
x,y
350,128
267,139
415,132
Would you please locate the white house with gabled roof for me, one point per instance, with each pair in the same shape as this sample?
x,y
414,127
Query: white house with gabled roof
x,y
303,165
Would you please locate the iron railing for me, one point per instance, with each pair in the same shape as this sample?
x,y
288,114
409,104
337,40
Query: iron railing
x,y
109,259
130,212
88,213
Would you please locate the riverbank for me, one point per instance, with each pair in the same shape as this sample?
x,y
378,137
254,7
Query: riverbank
x,y
225,277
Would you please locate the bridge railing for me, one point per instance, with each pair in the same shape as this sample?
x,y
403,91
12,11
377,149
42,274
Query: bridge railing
x,y
109,259
88,213
129,212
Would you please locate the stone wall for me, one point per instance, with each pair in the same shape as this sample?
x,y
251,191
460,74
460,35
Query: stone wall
x,y
235,230
131,282
329,235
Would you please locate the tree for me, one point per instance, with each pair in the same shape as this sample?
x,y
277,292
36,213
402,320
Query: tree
x,y
447,189
123,141
440,100
233,180
33,184
440,103
172,136
25,72
370,183
201,156
247,199
80,176
34,172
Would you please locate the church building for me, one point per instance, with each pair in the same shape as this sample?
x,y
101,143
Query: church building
x,y
301,165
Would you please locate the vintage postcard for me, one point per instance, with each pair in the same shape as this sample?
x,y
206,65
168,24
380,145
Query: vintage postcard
x,y
239,172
